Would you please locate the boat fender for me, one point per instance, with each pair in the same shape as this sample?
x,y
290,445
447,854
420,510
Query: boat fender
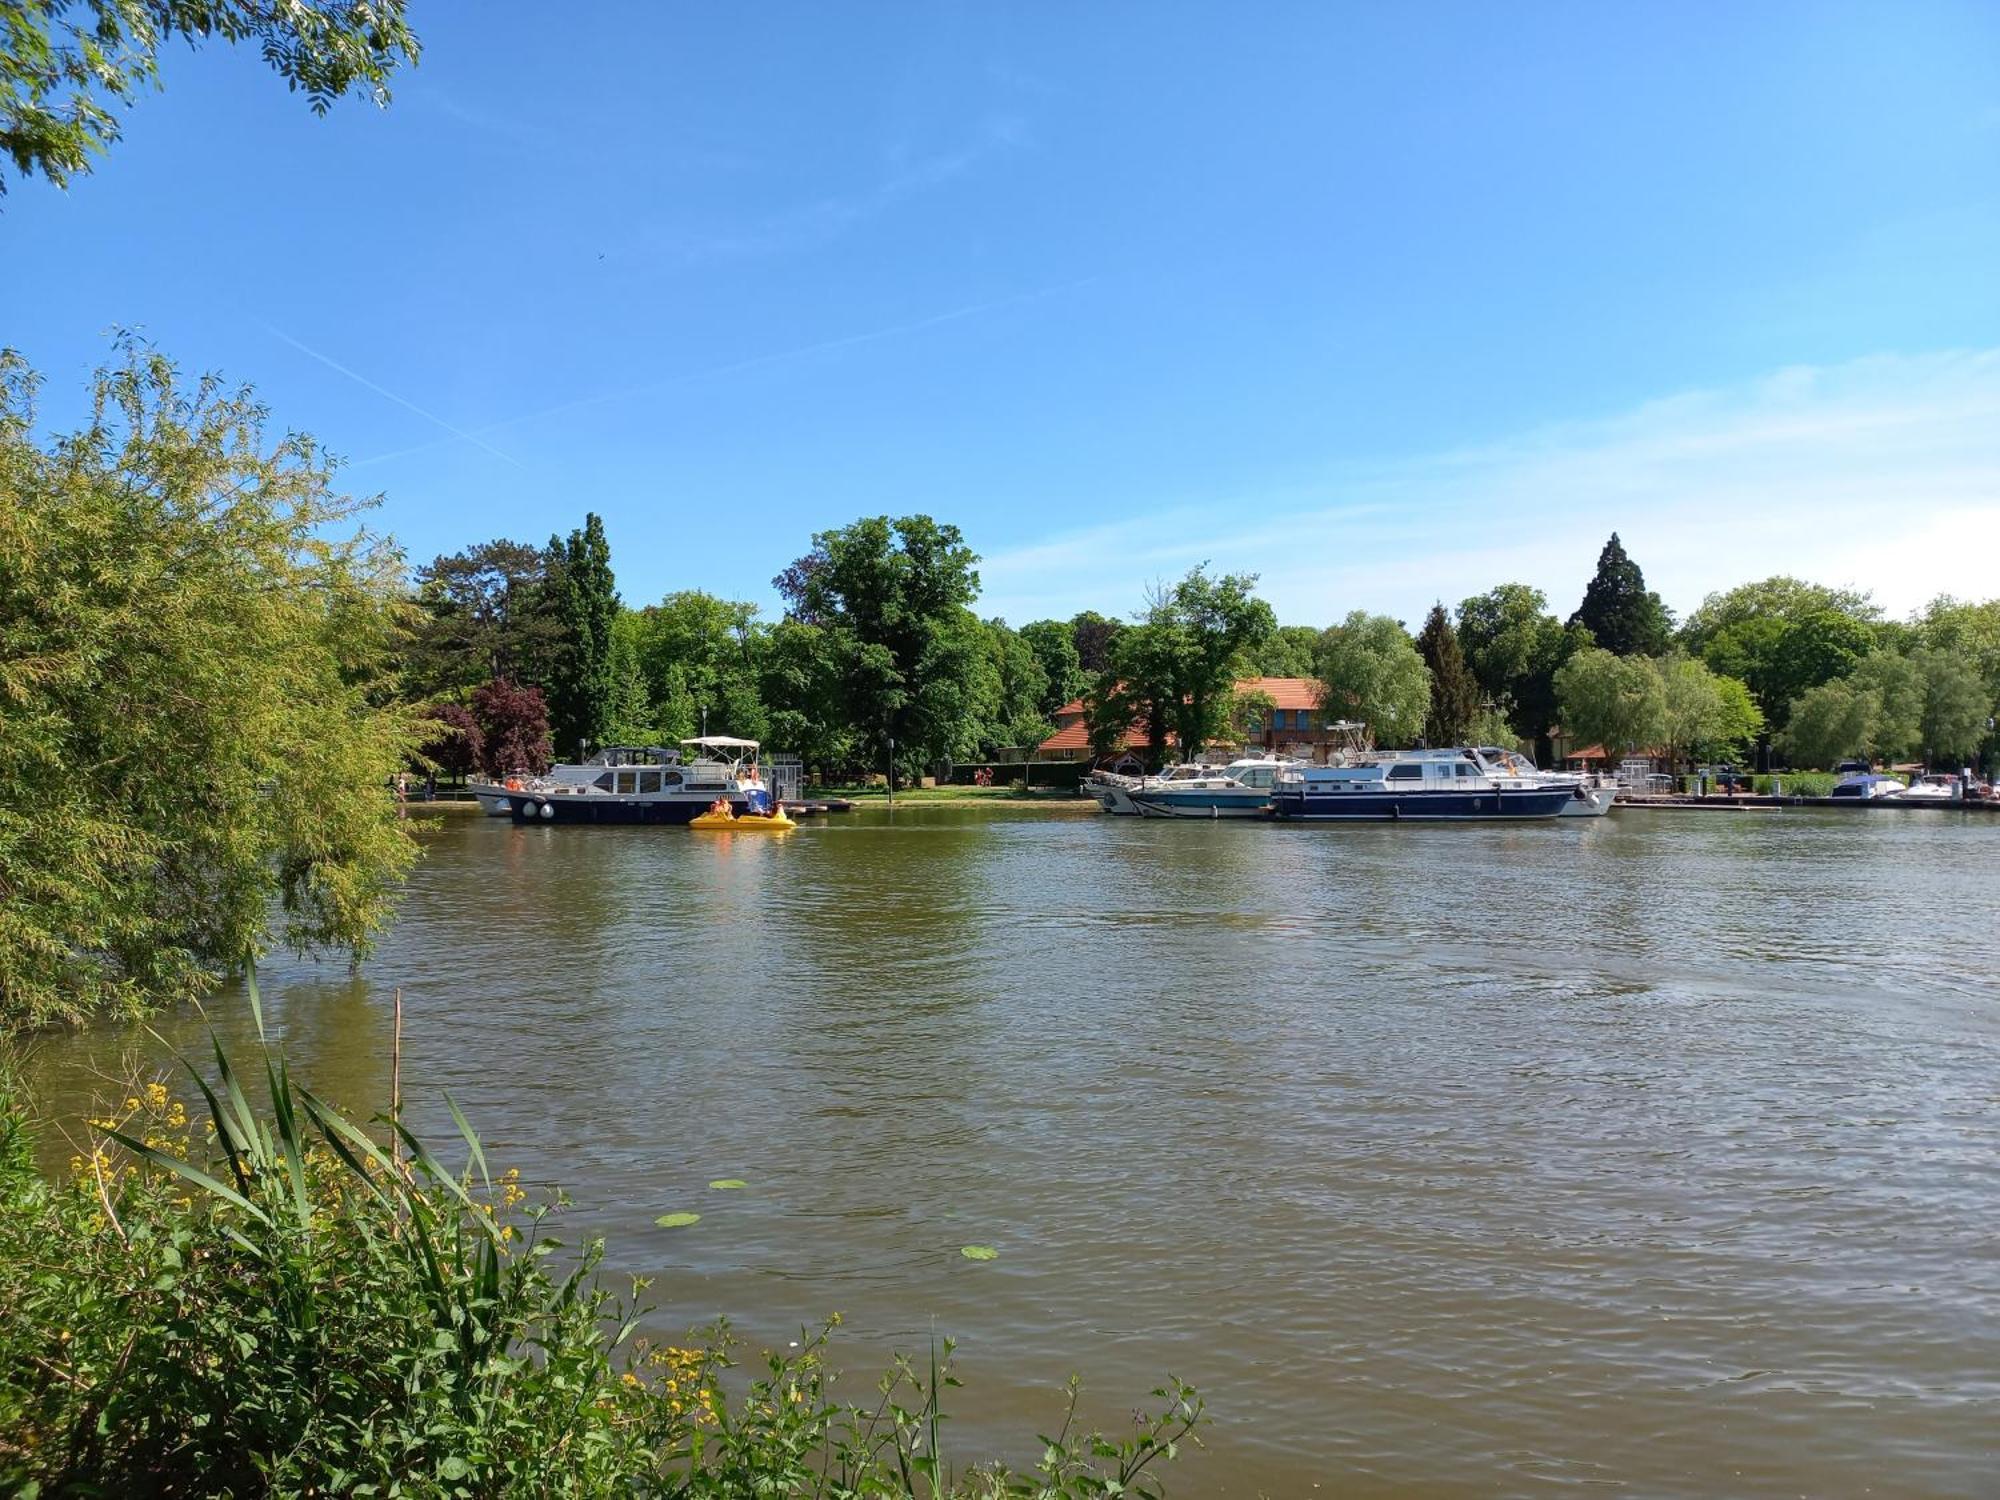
x,y
547,811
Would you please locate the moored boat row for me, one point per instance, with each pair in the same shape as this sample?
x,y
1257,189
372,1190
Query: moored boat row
x,y
1463,784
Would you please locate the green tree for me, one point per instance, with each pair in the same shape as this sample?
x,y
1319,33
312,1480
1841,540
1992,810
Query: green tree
x,y
1695,710
586,604
1780,597
1092,635
1972,632
1896,683
1955,706
629,714
893,599
1454,699
482,613
1736,727
1620,613
1783,636
65,67
1014,689
1054,645
1614,701
799,681
1370,671
708,648
1288,652
193,739
1828,723
1514,648
1176,670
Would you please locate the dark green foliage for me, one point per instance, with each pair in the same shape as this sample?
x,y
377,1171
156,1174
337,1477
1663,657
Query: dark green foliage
x,y
586,608
1092,634
66,65
701,659
1011,695
308,1308
892,602
1054,645
1287,652
1781,657
1618,611
1176,670
1454,700
1514,648
193,737
453,740
799,681
484,613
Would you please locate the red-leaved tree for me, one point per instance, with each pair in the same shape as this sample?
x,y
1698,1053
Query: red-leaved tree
x,y
457,744
515,722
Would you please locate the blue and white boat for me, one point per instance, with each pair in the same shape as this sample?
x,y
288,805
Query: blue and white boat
x,y
1242,789
1434,786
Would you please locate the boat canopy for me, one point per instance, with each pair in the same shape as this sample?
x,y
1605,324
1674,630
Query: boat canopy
x,y
720,742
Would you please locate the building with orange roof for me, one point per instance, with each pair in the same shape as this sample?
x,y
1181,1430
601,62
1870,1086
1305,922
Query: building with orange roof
x,y
1292,724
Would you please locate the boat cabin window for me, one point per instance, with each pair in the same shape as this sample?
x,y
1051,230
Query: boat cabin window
x,y
649,781
1406,772
603,783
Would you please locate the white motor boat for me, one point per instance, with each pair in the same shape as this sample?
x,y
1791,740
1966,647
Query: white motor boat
x,y
1241,789
1114,793
1938,786
1589,797
1868,785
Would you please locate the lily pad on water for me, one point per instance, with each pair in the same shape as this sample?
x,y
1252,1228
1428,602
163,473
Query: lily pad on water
x,y
677,1221
729,1182
978,1252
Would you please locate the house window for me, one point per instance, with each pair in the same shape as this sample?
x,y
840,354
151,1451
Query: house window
x,y
1305,720
1277,718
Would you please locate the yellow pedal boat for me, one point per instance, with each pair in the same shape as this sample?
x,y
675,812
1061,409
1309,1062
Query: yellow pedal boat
x,y
753,823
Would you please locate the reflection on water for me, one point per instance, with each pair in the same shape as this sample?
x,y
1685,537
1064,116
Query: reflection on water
x,y
1655,1153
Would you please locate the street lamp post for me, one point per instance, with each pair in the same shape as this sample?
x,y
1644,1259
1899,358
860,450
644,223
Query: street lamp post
x,y
892,773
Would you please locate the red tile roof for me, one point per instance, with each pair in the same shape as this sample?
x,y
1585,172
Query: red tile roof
x,y
1284,692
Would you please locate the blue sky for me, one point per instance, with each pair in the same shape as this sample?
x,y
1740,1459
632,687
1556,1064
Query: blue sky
x,y
1382,303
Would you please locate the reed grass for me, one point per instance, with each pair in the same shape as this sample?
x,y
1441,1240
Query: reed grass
x,y
276,1300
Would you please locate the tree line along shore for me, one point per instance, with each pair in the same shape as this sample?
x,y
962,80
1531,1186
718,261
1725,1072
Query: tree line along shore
x,y
212,667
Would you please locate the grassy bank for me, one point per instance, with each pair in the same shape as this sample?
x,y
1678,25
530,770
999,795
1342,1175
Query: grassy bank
x,y
277,1301
1058,795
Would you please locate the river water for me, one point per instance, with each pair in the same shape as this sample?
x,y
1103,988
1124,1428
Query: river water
x,y
1653,1154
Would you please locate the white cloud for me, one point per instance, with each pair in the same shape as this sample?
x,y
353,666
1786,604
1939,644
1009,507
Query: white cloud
x,y
1881,473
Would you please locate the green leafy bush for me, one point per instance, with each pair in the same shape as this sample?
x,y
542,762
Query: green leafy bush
x,y
302,1308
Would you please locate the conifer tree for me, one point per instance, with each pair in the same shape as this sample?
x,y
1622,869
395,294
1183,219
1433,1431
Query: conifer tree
x,y
586,595
1454,690
1621,615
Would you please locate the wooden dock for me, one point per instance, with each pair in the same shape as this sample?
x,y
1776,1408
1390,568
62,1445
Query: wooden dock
x,y
1718,802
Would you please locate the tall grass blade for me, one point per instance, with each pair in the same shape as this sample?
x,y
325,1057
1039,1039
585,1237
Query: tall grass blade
x,y
478,1157
191,1173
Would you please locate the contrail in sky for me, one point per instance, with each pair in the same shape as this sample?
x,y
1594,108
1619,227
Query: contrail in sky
x,y
363,380
755,361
